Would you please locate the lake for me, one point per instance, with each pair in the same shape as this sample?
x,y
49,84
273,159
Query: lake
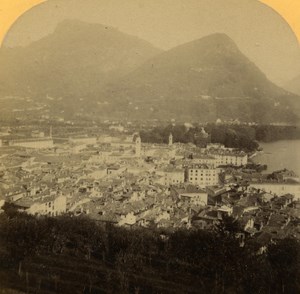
x,y
279,155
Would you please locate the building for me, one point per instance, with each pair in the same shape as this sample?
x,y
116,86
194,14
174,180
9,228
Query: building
x,y
37,134
115,170
202,159
189,194
77,148
51,206
230,158
202,175
138,146
217,146
170,139
171,176
226,156
34,143
118,128
83,140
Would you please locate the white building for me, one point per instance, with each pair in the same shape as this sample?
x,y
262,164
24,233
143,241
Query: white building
x,y
83,140
203,159
51,206
231,158
138,146
203,175
191,194
33,143
226,156
37,134
128,219
115,170
77,148
171,176
170,140
118,128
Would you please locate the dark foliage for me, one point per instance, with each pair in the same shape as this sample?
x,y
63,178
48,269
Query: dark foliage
x,y
232,136
97,256
269,133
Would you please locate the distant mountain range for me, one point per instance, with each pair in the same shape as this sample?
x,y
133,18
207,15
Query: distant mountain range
x,y
77,59
294,85
120,76
206,79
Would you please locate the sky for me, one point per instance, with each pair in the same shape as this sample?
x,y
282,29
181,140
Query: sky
x,y
260,32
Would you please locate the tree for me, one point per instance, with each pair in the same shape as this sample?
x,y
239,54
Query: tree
x,y
284,257
228,227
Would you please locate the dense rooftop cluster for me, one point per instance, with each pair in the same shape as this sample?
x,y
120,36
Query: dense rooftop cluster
x,y
123,181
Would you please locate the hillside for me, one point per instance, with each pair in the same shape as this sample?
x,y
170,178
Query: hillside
x,y
78,255
294,85
76,59
93,71
205,79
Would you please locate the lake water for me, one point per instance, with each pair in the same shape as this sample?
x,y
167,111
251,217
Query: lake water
x,y
279,155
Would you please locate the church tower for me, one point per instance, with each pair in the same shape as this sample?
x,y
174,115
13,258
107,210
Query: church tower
x,y
170,139
138,146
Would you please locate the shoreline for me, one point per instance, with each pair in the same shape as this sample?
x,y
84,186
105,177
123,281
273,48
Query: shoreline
x,y
279,155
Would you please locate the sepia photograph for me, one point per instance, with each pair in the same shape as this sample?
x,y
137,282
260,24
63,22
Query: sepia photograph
x,y
149,146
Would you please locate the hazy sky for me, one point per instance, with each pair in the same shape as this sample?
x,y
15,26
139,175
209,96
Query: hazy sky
x,y
259,31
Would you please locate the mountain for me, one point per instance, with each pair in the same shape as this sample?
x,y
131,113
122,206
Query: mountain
x,y
294,85
96,71
78,58
204,80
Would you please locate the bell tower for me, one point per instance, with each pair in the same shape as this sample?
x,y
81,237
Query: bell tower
x,y
170,139
138,146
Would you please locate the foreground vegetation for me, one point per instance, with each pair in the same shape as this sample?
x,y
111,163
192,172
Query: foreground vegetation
x,y
77,255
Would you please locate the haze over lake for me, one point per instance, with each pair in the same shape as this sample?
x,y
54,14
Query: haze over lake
x,y
280,155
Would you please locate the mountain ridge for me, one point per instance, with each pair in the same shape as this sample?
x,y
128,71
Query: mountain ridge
x,y
56,63
118,75
294,85
197,77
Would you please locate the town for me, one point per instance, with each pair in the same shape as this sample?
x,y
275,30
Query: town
x,y
116,178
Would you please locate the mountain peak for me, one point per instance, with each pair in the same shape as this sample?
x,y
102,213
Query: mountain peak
x,y
220,37
78,27
76,59
122,75
217,41
208,78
